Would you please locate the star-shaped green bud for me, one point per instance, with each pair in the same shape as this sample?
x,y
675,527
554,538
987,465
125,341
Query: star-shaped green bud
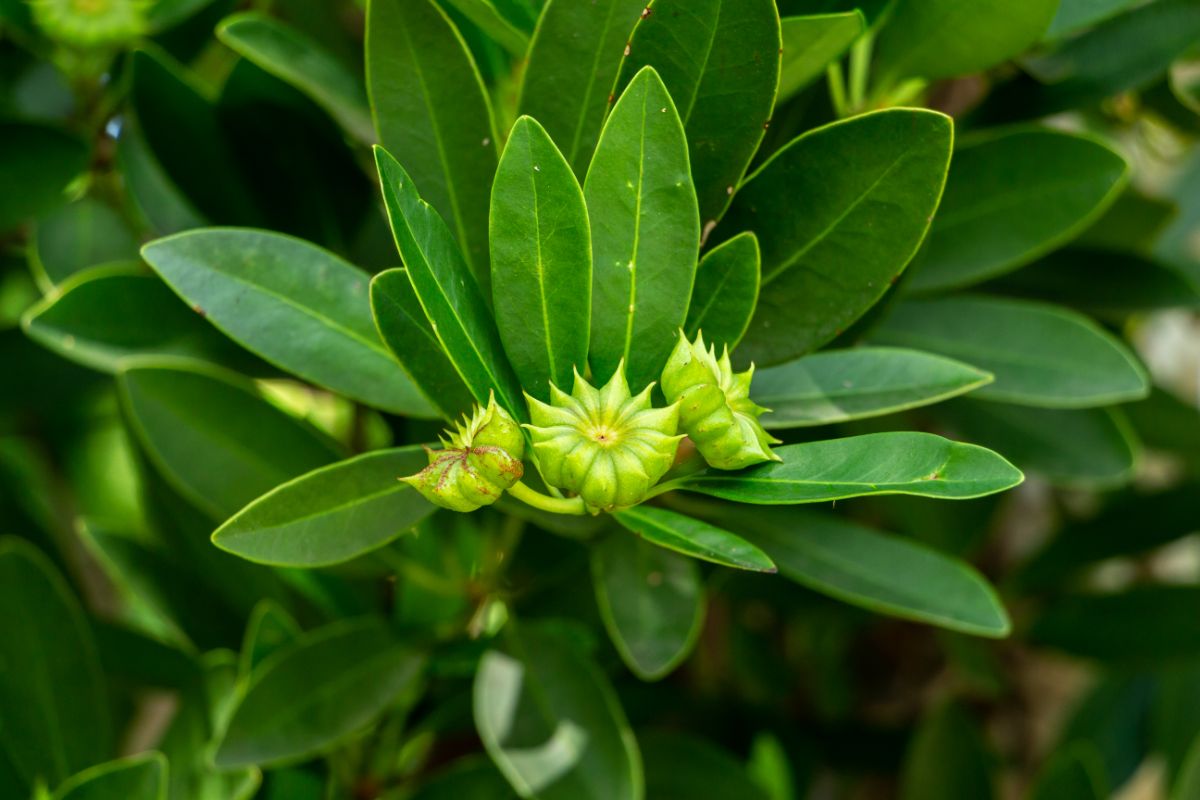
x,y
91,23
481,459
715,409
604,445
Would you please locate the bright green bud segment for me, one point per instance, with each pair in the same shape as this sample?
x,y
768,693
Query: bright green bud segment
x,y
715,408
602,444
481,459
91,23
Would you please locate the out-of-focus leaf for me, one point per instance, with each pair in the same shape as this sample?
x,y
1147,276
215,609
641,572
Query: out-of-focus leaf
x,y
1075,15
81,235
471,777
1075,774
1187,785
153,195
682,767
41,160
694,538
1143,625
726,292
812,43
269,630
1165,422
1112,719
140,777
947,759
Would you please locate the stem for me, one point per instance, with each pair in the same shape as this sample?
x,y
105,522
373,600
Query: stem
x,y
837,87
554,505
860,69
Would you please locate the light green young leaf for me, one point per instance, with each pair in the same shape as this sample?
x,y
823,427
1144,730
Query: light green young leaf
x,y
726,292
693,537
811,43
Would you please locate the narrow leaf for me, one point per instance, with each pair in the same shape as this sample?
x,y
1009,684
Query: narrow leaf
x,y
694,538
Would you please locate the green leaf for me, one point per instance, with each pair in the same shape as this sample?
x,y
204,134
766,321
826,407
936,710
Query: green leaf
x,y
1075,15
645,233
212,437
552,723
1041,355
56,712
899,462
1014,196
269,630
838,212
1074,774
726,292
942,38
947,759
541,261
104,315
694,538
484,14
842,385
83,234
153,196
305,699
450,298
298,306
683,767
719,60
884,573
1089,447
432,112
1187,784
812,43
42,161
140,777
332,514
302,62
572,71
1145,625
651,601
472,777
406,331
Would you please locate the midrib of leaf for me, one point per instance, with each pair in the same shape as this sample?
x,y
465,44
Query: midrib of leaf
x,y
324,511
540,264
708,48
637,231
587,93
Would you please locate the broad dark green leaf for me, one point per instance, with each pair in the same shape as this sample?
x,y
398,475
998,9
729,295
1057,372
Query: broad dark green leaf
x,y
306,698
489,19
86,233
332,514
140,777
269,630
432,113
212,437
42,161
573,63
694,538
298,306
947,759
408,334
942,38
153,196
56,712
1075,15
1145,625
841,385
473,777
1085,447
726,292
1040,355
884,573
293,57
1012,197
682,767
839,212
552,723
719,60
106,314
1074,774
651,601
449,296
541,261
811,43
645,233
899,462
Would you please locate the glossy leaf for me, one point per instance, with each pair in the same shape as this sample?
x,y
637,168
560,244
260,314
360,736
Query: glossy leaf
x,y
900,462
298,306
811,43
947,759
1040,355
726,292
884,573
332,514
552,723
489,19
81,235
651,601
295,58
843,385
451,300
56,712
1145,624
304,699
1012,197
573,63
694,538
140,777
645,233
719,60
541,261
682,767
942,38
41,160
432,113
212,437
838,212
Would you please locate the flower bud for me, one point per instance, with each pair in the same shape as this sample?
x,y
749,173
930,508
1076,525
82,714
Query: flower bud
x,y
481,459
97,24
715,409
603,444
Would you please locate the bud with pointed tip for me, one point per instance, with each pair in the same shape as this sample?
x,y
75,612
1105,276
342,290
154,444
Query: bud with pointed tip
x,y
481,459
604,445
715,409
